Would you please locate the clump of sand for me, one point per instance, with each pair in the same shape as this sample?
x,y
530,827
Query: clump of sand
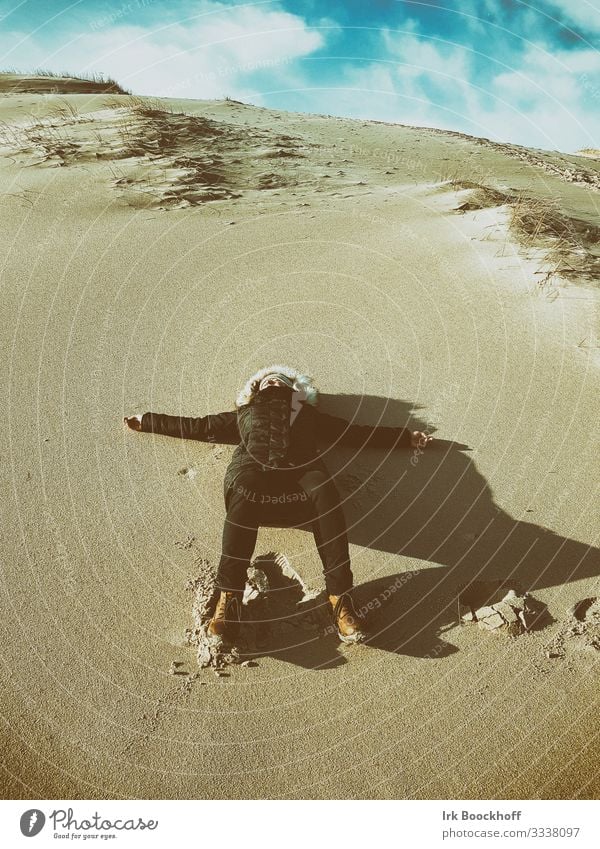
x,y
500,606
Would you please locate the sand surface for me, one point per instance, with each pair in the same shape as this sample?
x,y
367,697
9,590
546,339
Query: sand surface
x,y
152,260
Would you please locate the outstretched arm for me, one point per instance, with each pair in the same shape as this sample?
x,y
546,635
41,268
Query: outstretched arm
x,y
220,427
335,429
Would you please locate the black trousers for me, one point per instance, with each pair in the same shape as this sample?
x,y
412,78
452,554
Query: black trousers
x,y
292,497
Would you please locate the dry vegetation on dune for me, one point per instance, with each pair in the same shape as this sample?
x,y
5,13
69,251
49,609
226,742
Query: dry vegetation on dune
x,y
44,81
165,158
186,160
572,245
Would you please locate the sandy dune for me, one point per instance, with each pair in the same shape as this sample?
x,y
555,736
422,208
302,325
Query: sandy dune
x,y
155,253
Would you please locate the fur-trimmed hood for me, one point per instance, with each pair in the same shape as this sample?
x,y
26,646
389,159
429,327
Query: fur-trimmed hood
x,y
302,383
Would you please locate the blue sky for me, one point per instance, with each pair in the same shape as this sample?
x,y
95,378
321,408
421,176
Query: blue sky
x,y
525,72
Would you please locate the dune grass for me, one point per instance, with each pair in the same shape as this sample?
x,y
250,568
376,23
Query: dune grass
x,y
572,244
94,82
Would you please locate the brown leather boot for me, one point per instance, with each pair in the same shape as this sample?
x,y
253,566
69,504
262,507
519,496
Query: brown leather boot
x,y
226,618
350,624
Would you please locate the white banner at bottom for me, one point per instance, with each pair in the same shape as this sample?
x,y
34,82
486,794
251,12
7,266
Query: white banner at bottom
x,y
293,824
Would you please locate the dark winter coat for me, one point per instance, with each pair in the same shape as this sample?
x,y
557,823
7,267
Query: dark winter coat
x,y
265,430
266,440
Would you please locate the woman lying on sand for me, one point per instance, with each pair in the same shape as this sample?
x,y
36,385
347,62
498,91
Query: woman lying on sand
x,y
276,476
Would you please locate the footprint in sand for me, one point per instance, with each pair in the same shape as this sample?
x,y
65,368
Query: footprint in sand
x,y
580,631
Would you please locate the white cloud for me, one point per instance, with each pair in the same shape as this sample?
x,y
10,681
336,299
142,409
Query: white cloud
x,y
584,15
425,55
550,100
212,55
435,75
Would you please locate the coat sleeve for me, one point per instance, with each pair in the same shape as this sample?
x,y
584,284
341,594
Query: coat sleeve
x,y
333,429
220,427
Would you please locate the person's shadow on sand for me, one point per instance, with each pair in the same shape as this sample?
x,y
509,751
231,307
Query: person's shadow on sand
x,y
391,628
433,506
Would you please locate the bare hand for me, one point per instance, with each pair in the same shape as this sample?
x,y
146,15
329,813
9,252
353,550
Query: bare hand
x,y
134,422
419,439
